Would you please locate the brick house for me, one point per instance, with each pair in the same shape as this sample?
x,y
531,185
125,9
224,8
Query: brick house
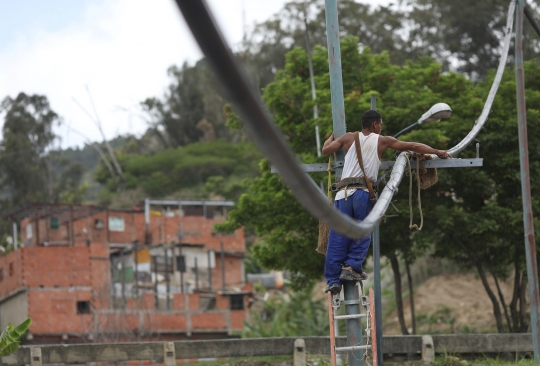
x,y
95,274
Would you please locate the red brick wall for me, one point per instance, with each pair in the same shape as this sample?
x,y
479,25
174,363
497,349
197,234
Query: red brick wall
x,y
100,274
134,228
10,265
237,319
60,276
56,266
208,320
55,311
196,230
233,272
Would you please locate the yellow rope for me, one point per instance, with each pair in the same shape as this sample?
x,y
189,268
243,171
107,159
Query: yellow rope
x,y
411,226
329,170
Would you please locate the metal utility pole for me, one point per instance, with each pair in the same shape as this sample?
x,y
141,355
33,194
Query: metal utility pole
x,y
209,272
156,288
15,239
354,326
530,246
223,266
167,278
313,91
336,81
377,275
196,269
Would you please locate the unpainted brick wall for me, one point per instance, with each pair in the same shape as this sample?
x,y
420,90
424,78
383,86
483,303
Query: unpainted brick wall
x,y
55,311
56,266
11,275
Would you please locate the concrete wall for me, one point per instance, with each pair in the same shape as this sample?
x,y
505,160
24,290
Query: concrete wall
x,y
444,344
14,310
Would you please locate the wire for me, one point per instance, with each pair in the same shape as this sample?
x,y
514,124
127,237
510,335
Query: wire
x,y
272,144
530,18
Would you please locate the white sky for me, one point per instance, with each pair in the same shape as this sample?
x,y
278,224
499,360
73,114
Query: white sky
x,y
120,49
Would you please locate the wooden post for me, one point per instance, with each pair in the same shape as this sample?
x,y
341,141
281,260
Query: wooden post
x,y
332,330
373,323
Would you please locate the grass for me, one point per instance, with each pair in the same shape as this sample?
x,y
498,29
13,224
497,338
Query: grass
x,y
445,360
258,359
449,360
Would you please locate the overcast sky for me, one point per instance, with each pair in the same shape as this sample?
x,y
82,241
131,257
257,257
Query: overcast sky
x,y
119,49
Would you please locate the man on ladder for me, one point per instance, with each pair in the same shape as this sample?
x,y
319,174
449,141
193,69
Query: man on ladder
x,y
355,195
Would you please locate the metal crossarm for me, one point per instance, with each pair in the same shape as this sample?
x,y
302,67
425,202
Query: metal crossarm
x,y
386,165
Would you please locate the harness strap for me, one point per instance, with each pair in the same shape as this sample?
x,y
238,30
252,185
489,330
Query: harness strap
x,y
361,163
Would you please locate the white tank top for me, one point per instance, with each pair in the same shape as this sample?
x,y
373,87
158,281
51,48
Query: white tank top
x,y
370,157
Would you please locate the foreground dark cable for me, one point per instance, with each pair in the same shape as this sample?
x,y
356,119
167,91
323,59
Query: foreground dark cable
x,y
257,119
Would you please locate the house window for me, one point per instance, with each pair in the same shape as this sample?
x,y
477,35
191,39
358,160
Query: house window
x,y
28,231
10,270
83,307
237,302
116,223
99,224
54,223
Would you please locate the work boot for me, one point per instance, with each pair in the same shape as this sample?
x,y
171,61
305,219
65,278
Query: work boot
x,y
349,274
334,289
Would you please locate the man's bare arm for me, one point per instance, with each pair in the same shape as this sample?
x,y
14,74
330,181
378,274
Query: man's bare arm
x,y
330,146
392,143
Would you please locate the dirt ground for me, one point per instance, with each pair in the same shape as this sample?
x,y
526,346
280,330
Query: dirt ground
x,y
451,303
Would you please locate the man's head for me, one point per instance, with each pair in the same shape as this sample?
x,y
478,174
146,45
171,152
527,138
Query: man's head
x,y
372,121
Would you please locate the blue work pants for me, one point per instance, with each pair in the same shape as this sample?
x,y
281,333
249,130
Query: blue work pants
x,y
342,250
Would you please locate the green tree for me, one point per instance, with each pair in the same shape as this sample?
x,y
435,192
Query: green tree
x,y
473,216
287,232
293,314
27,141
191,110
479,223
264,49
210,168
468,32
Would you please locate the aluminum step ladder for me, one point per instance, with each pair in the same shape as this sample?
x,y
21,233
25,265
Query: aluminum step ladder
x,y
368,305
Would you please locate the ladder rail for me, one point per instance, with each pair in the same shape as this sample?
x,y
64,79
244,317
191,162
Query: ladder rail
x,y
373,325
332,331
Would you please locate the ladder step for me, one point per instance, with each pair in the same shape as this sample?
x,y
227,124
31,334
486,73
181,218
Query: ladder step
x,y
352,316
351,302
352,348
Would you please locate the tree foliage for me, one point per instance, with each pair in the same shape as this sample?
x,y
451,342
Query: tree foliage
x,y
191,110
216,167
32,169
462,35
294,314
472,216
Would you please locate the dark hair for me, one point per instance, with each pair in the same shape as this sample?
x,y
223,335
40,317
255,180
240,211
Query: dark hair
x,y
369,117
